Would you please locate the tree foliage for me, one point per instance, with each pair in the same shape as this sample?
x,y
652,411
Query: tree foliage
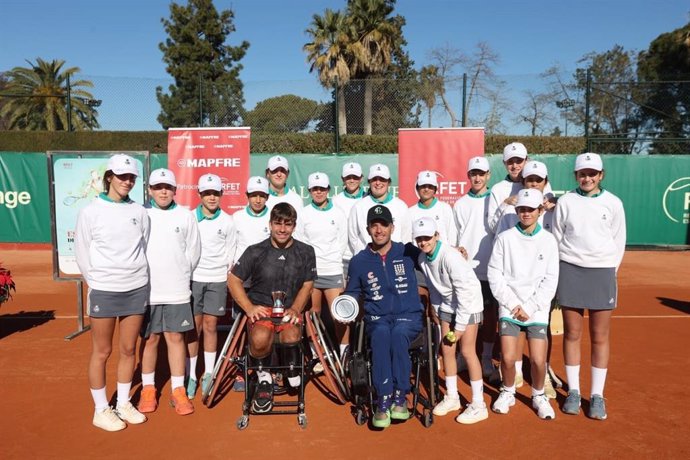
x,y
664,72
36,98
207,89
287,113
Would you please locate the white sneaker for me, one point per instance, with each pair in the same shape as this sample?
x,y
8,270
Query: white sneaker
x,y
475,412
448,404
519,380
549,390
108,420
129,413
542,405
504,402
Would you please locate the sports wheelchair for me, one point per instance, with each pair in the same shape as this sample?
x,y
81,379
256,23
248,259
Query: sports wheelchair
x,y
234,361
425,380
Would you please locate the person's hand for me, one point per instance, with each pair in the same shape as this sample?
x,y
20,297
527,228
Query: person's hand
x,y
463,251
256,312
519,314
511,200
549,203
291,316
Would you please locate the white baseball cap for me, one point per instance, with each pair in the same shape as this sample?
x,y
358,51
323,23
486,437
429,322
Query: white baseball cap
x,y
379,170
535,168
318,179
480,163
122,164
210,182
514,149
530,198
276,162
427,178
257,184
162,176
352,169
424,226
589,160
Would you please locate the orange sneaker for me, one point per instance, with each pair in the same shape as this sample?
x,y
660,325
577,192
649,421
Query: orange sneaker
x,y
147,399
180,401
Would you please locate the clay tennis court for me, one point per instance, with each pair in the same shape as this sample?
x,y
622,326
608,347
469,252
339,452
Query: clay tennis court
x,y
46,408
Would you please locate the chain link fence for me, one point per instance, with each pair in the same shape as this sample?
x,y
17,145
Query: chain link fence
x,y
615,117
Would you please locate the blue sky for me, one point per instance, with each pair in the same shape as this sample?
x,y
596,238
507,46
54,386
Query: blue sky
x,y
120,38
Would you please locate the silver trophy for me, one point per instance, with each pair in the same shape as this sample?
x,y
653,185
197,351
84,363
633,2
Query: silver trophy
x,y
278,304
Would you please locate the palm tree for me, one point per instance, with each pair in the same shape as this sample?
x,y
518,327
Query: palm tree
x,y
374,35
37,98
430,86
329,53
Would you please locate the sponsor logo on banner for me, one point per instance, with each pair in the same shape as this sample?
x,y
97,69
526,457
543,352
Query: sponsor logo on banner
x,y
445,151
224,152
676,200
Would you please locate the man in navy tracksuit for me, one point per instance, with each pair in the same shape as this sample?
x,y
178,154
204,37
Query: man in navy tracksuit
x,y
383,275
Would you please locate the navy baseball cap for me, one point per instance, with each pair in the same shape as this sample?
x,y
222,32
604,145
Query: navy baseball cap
x,y
379,212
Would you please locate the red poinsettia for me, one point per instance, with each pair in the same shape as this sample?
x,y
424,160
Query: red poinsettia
x,y
6,285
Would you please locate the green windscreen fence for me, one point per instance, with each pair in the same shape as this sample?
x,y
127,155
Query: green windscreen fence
x,y
655,189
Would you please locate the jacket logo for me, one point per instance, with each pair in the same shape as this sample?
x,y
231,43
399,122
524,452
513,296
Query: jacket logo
x,y
399,269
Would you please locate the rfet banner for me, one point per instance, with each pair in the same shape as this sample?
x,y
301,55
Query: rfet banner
x,y
443,150
193,152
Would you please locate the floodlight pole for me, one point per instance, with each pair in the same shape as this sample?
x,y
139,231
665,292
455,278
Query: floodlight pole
x,y
69,105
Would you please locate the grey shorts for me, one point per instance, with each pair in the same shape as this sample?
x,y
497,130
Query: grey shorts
x,y
534,331
587,288
329,282
167,318
473,318
107,304
209,298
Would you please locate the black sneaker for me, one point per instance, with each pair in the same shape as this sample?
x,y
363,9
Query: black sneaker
x,y
263,398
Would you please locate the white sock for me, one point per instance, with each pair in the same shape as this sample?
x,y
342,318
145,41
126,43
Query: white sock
x,y
518,367
572,373
100,399
295,381
209,361
176,381
123,392
191,364
598,380
148,379
510,390
536,392
452,387
263,376
487,351
477,391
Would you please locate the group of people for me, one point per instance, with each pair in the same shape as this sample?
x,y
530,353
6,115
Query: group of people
x,y
489,266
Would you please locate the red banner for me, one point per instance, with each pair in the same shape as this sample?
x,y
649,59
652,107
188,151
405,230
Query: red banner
x,y
443,150
193,152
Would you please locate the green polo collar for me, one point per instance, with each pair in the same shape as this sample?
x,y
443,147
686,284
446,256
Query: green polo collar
x,y
328,206
200,215
433,203
253,214
536,230
354,196
173,205
482,195
388,198
125,200
582,193
434,254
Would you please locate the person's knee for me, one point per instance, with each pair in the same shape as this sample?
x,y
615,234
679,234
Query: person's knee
x,y
127,350
102,353
174,338
260,340
152,341
291,335
210,324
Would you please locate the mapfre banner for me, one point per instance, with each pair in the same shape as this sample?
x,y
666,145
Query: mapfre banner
x,y
443,150
193,152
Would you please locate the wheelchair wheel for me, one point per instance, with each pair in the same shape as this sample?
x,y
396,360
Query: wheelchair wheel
x,y
360,417
227,364
332,367
242,422
427,418
302,420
